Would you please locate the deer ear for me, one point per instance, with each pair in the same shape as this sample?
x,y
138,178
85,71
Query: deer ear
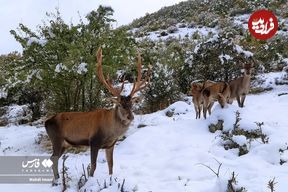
x,y
195,86
136,99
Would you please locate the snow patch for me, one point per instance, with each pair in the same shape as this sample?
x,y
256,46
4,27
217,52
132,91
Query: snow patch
x,y
239,139
59,67
32,40
224,57
82,68
3,94
240,50
179,107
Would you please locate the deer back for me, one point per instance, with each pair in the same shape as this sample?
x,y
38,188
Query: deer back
x,y
213,90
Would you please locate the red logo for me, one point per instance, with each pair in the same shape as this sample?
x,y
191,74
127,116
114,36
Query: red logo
x,y
263,24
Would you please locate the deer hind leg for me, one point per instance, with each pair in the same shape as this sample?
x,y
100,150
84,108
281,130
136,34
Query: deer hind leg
x,y
58,150
198,113
242,100
205,107
109,158
200,109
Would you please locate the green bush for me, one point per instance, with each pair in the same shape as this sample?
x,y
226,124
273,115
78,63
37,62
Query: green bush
x,y
217,59
163,89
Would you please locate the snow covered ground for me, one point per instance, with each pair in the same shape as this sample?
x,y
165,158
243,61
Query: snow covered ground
x,y
172,153
180,33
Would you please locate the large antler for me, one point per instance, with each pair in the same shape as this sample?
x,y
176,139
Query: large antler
x,y
139,85
107,83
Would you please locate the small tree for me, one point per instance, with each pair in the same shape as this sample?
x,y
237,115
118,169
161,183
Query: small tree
x,y
60,59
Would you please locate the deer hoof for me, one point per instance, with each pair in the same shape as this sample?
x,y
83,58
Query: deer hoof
x,y
56,182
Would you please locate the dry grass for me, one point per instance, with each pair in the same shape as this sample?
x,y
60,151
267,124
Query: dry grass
x,y
258,90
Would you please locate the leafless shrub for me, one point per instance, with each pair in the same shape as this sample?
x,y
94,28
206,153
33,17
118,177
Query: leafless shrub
x,y
84,178
217,173
231,186
281,151
111,183
65,176
271,185
264,137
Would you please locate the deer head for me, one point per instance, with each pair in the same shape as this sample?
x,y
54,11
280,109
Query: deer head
x,y
124,103
248,67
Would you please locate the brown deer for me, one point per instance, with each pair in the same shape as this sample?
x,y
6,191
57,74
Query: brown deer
x,y
240,87
220,92
98,129
196,93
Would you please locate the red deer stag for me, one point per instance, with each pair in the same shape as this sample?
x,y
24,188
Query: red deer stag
x,y
219,91
196,93
98,129
240,87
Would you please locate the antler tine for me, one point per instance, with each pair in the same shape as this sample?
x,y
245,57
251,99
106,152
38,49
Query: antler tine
x,y
147,79
139,75
254,62
122,86
119,91
139,67
138,85
101,76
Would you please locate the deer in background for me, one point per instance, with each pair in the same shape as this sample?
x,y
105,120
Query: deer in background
x,y
98,129
220,92
240,87
197,97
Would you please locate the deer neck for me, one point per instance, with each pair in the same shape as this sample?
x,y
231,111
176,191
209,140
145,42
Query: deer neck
x,y
246,81
120,119
246,77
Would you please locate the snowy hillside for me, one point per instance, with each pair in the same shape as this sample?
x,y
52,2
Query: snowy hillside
x,y
178,153
181,32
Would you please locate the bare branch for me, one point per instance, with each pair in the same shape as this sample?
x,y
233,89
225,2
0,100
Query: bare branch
x,y
218,170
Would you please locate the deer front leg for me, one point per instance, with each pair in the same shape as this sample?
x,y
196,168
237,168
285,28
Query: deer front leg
x,y
238,101
230,100
109,158
196,109
210,107
242,100
94,153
